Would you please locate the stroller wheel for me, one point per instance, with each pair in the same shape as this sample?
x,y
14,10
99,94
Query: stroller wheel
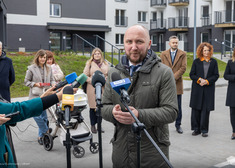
x,y
78,151
94,147
47,141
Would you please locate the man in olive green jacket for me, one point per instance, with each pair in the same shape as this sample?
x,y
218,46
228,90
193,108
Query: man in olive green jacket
x,y
153,102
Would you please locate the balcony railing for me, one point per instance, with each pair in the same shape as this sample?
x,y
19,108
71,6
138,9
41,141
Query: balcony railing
x,y
158,24
226,16
206,20
178,2
178,22
158,3
121,21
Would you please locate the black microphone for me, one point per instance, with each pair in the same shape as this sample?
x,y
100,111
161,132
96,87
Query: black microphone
x,y
67,103
98,80
120,86
68,79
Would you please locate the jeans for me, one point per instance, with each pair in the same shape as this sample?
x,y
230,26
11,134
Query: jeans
x,y
42,123
179,117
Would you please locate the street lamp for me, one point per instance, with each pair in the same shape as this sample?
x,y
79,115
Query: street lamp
x,y
195,30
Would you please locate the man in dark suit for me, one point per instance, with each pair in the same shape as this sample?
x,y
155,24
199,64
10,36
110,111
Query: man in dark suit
x,y
7,78
176,59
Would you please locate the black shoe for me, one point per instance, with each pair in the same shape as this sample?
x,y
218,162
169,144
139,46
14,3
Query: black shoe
x,y
50,130
204,134
179,130
232,138
93,129
40,141
195,133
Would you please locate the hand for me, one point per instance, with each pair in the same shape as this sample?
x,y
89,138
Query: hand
x,y
3,119
37,85
49,92
124,117
203,82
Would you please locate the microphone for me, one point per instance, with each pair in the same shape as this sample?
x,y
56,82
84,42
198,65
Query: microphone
x,y
68,79
80,80
121,86
98,80
67,103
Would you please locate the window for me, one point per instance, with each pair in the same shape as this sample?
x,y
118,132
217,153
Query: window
x,y
154,40
55,10
205,11
119,38
142,16
55,38
120,20
205,37
154,16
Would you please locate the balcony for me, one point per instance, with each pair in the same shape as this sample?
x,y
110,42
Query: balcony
x,y
158,3
121,21
158,25
207,0
225,18
178,2
206,20
178,24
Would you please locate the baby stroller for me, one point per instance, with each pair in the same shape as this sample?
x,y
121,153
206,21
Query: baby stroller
x,y
79,131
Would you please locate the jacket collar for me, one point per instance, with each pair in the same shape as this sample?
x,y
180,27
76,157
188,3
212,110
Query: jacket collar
x,y
3,56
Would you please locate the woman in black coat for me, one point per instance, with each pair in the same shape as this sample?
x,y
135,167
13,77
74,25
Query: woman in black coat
x,y
204,73
229,75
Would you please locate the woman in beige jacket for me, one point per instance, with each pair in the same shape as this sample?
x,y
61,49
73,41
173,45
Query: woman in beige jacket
x,y
96,62
37,75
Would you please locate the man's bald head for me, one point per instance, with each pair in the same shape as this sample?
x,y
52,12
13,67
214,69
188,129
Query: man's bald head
x,y
136,43
140,28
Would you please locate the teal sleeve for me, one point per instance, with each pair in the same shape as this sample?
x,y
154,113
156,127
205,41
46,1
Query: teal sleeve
x,y
27,109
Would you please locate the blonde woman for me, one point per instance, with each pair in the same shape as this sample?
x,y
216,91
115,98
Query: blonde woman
x,y
37,74
229,75
96,62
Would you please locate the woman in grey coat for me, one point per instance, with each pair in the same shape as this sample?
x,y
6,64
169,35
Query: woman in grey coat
x,y
37,76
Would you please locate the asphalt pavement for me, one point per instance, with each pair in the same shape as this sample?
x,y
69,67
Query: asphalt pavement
x,y
186,151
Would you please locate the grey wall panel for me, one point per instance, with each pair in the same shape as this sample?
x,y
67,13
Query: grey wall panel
x,y
25,7
33,37
84,9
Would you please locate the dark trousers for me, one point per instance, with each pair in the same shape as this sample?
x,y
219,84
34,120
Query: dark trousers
x,y
200,119
232,118
179,117
93,117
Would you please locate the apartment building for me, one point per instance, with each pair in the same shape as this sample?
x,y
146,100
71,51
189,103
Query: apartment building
x,y
56,24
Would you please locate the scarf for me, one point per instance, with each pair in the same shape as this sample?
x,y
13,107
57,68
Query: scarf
x,y
98,63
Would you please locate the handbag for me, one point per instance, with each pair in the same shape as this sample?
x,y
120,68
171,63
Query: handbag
x,y
37,91
84,86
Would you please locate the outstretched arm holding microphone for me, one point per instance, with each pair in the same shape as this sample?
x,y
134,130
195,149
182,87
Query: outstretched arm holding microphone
x,y
27,109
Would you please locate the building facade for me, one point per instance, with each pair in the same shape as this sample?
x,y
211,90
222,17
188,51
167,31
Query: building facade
x,y
60,25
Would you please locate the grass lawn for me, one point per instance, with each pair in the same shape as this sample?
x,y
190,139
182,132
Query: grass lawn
x,y
69,62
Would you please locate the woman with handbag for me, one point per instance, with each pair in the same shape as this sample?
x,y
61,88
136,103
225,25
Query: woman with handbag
x,y
37,77
96,62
